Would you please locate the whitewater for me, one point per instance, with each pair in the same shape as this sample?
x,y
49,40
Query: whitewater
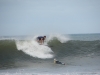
x,y
34,49
22,55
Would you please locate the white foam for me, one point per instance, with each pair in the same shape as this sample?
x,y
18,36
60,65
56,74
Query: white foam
x,y
32,48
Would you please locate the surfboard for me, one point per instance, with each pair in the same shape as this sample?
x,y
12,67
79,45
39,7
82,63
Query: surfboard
x,y
58,62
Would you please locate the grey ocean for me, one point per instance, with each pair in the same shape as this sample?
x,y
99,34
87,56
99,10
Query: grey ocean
x,y
20,55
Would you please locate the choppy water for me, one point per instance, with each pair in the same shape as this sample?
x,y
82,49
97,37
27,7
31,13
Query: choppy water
x,y
24,56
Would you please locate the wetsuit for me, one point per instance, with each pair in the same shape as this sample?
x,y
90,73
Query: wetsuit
x,y
58,62
40,37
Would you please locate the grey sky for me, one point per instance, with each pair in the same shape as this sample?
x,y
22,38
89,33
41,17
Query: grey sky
x,y
28,17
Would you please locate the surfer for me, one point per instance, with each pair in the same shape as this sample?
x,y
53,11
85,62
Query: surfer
x,y
58,62
41,39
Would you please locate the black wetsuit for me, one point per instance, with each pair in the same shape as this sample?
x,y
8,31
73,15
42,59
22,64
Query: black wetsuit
x,y
58,62
40,37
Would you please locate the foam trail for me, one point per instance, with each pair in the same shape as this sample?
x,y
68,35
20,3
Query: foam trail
x,y
32,48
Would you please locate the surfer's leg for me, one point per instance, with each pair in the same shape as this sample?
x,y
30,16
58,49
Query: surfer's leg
x,y
40,41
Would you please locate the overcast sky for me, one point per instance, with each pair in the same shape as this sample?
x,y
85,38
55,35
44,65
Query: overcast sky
x,y
29,17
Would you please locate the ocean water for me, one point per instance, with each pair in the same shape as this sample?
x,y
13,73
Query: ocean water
x,y
22,55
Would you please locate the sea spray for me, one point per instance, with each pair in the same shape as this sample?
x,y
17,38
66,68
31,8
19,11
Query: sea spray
x,y
59,37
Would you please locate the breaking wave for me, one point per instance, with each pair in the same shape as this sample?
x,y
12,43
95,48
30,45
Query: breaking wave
x,y
31,47
58,46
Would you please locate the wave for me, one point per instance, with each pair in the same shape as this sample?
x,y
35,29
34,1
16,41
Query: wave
x,y
30,46
13,49
76,48
56,46
59,46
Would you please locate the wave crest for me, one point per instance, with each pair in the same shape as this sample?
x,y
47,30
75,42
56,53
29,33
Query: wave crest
x,y
60,38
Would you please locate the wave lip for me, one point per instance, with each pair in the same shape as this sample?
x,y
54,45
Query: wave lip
x,y
60,38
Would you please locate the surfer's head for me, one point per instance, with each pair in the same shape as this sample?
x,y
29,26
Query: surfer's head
x,y
55,59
